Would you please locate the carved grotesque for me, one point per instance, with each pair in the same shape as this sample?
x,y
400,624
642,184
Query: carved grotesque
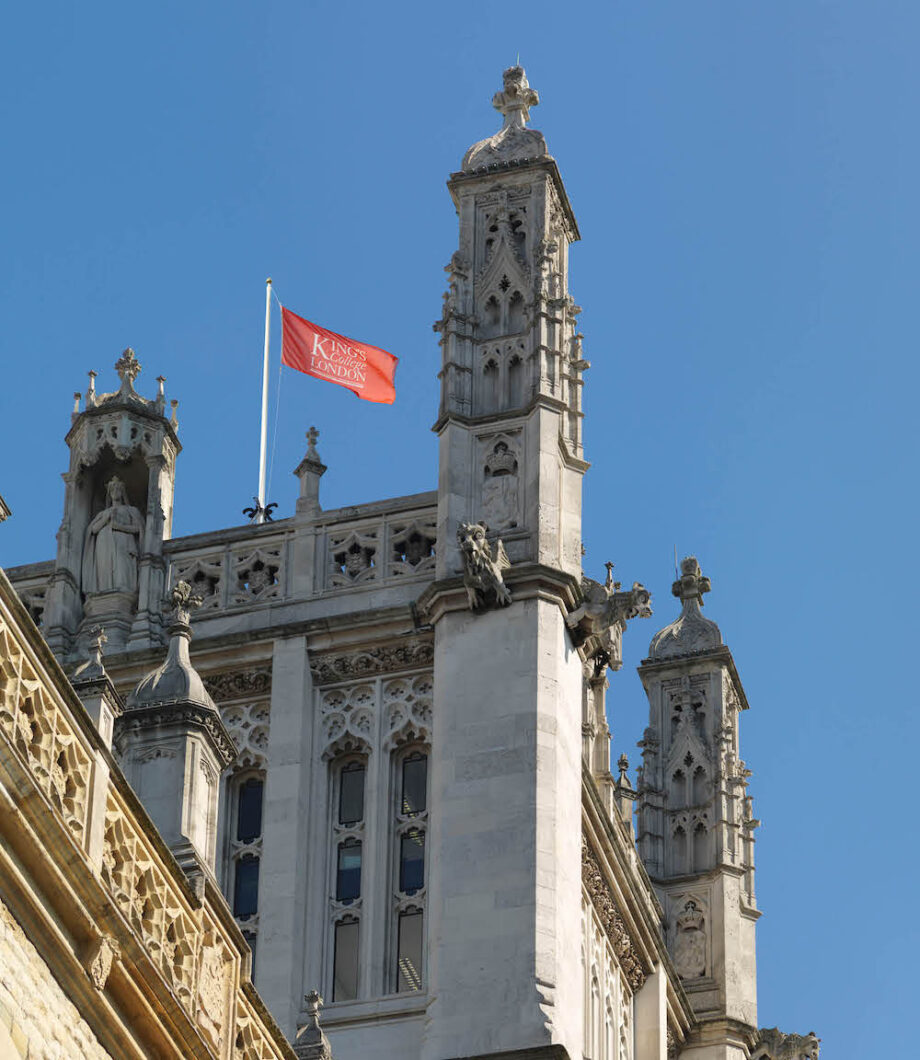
x,y
111,549
600,620
482,575
774,1045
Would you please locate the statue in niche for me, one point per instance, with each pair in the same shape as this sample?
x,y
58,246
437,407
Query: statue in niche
x,y
500,488
112,544
690,944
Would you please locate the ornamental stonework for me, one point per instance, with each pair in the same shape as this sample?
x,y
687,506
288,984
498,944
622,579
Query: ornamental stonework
x,y
390,658
239,684
604,905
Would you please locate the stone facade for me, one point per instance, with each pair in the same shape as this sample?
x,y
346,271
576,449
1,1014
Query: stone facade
x,y
417,816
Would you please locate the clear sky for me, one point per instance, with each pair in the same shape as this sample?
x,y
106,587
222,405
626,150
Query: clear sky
x,y
745,178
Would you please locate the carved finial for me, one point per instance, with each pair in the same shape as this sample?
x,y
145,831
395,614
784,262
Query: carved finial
x,y
173,419
609,581
516,98
92,666
161,382
312,439
127,367
91,390
183,601
622,765
76,403
692,583
311,1043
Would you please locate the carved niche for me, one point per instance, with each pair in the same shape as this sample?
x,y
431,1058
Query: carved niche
x,y
500,484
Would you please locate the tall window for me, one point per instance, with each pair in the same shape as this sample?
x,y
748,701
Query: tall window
x,y
410,831
348,791
245,852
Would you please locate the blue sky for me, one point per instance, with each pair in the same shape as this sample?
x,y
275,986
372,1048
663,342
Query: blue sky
x,y
745,178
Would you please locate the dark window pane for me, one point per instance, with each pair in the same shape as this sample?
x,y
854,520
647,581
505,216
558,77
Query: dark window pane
x,y
345,973
351,793
249,810
409,962
246,887
412,861
415,784
348,875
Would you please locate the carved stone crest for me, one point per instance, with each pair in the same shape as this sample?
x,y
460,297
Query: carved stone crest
x,y
211,992
482,575
104,952
690,943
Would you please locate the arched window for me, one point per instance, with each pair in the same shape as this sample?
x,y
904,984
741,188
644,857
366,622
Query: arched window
x,y
411,817
348,809
245,794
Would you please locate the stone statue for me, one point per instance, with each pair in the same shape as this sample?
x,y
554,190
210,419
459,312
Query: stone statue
x,y
774,1045
112,544
482,575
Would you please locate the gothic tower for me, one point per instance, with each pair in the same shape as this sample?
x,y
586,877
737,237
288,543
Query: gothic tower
x,y
505,887
695,821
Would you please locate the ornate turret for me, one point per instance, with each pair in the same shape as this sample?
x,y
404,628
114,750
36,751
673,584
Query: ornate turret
x,y
173,745
695,821
512,363
117,513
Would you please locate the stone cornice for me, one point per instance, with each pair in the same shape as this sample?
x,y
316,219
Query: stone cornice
x,y
720,656
487,176
344,665
527,581
179,715
250,683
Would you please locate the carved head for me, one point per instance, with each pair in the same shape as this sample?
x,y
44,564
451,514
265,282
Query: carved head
x,y
115,491
473,541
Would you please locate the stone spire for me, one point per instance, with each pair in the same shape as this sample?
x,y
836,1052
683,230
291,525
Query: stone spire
x,y
173,745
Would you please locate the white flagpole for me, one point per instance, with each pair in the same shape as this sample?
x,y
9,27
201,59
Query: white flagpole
x,y
264,436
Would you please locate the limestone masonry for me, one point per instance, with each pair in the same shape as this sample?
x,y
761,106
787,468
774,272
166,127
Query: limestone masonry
x,y
380,731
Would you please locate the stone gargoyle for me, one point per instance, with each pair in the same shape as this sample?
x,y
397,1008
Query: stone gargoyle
x,y
774,1045
600,620
482,574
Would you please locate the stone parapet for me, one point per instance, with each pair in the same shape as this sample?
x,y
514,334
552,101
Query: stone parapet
x,y
152,966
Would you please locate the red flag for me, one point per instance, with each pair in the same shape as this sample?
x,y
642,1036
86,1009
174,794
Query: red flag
x,y
366,370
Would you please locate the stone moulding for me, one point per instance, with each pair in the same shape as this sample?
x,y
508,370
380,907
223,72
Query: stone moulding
x,y
239,684
186,714
604,905
389,658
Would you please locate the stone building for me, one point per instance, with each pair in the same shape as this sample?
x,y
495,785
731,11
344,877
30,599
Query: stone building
x,y
390,674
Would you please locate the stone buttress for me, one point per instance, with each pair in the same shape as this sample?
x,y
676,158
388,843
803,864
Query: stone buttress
x,y
505,888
